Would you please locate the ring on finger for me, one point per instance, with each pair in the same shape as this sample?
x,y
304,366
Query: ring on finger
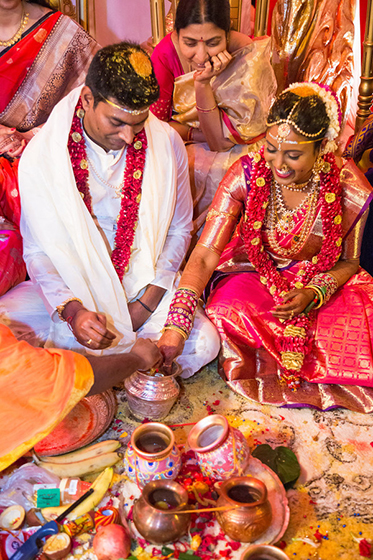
x,y
89,341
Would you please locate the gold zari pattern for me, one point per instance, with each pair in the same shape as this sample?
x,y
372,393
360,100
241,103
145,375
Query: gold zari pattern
x,y
292,330
292,360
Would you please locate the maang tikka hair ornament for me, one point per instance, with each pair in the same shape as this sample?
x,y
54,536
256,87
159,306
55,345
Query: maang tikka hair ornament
x,y
332,108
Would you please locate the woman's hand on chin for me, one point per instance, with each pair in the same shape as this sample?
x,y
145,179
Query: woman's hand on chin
x,y
171,345
294,302
213,67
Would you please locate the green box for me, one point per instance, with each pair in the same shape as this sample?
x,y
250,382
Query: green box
x,y
48,497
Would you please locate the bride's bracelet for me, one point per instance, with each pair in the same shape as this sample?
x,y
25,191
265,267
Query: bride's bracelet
x,y
324,285
179,318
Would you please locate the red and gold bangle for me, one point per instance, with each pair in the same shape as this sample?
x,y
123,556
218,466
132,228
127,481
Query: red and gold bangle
x,y
60,308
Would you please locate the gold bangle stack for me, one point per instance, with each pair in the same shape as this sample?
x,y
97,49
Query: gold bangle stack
x,y
177,329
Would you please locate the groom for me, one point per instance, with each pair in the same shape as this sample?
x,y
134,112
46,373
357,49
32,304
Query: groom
x,y
106,214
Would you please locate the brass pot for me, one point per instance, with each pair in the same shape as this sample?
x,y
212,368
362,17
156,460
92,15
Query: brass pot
x,y
152,396
264,552
250,514
156,524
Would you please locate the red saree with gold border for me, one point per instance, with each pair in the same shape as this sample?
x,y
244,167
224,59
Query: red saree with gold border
x,y
339,369
50,59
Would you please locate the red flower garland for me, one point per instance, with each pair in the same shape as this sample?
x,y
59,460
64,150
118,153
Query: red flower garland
x,y
276,283
130,194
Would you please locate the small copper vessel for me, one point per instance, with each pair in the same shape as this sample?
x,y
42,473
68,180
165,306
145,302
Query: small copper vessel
x,y
264,552
152,396
156,513
250,514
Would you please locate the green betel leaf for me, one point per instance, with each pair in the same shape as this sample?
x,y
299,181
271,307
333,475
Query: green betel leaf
x,y
266,455
281,460
287,466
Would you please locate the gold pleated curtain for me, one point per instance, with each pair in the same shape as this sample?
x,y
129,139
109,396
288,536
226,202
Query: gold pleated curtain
x,y
312,40
83,11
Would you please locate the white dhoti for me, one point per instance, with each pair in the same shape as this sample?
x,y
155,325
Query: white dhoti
x,y
23,311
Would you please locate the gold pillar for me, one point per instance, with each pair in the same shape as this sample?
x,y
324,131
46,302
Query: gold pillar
x,y
158,20
366,80
236,9
261,18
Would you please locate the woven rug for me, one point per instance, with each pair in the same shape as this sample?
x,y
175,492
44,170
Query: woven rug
x,y
331,505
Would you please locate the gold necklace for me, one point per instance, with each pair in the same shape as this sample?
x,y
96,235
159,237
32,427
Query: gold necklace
x,y
18,33
300,238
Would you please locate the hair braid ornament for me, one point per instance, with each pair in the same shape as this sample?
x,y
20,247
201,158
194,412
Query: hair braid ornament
x,y
130,192
332,107
295,341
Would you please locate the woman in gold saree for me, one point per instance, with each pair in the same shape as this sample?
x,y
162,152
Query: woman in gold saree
x,y
293,309
43,56
216,87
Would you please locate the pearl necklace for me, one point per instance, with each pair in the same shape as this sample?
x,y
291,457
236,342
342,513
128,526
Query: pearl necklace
x,y
117,188
16,37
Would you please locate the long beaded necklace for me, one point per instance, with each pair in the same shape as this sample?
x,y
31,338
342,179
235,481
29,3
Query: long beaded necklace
x,y
130,193
295,341
16,37
117,189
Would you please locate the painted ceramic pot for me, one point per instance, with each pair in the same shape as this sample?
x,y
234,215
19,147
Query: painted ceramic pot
x,y
156,513
152,454
221,451
249,512
152,396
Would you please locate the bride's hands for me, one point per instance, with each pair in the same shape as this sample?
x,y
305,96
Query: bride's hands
x,y
213,67
171,345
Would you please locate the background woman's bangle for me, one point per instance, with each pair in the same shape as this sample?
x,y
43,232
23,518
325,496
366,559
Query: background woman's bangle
x,y
145,306
190,134
200,110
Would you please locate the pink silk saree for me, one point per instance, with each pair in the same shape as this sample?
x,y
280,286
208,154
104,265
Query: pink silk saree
x,y
243,111
339,370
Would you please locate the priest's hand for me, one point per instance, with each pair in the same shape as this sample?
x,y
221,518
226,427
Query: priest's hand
x,y
171,345
89,329
147,352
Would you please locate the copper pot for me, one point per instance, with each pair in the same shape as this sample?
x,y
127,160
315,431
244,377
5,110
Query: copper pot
x,y
152,396
155,523
264,552
250,514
